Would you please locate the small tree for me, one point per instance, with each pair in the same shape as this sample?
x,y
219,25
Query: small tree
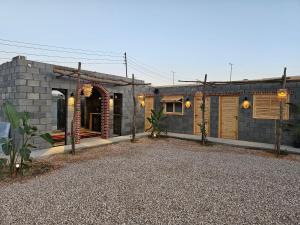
x,y
155,123
20,123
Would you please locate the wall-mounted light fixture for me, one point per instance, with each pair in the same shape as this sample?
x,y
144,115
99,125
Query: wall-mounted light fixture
x,y
141,99
246,104
111,102
282,94
87,90
188,103
71,100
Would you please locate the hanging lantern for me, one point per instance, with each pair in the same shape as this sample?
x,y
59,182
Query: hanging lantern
x,y
71,100
246,104
188,103
87,90
282,94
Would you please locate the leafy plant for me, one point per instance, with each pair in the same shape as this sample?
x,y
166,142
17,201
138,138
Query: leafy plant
x,y
202,124
20,123
155,120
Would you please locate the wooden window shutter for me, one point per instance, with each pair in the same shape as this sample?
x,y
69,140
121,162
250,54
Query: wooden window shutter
x,y
268,107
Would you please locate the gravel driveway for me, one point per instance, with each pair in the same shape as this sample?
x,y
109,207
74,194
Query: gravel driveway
x,y
160,182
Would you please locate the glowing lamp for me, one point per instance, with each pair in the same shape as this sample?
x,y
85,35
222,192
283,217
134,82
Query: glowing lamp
x,y
111,102
246,104
282,94
141,100
87,90
17,165
188,103
71,100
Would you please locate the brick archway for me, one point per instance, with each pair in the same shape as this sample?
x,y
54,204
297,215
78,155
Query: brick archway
x,y
104,112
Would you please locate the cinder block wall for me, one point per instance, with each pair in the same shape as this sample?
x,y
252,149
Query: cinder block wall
x,y
249,129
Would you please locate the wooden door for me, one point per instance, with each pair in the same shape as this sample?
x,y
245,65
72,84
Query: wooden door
x,y
228,117
149,105
198,114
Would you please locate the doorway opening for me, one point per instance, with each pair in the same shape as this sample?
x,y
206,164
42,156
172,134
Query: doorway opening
x,y
59,116
91,112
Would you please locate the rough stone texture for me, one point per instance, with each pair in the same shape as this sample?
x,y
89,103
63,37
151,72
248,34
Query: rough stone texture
x,y
160,182
249,129
28,85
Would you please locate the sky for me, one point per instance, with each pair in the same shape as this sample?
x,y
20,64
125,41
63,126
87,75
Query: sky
x,y
191,38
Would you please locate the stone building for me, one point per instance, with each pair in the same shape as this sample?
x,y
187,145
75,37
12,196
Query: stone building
x,y
49,98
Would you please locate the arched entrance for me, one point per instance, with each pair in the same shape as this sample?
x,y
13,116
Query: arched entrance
x,y
103,99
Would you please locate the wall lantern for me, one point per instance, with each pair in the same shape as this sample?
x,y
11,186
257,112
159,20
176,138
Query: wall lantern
x,y
71,100
246,104
282,94
188,103
87,90
141,100
111,102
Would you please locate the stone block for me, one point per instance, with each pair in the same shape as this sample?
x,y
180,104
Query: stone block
x,y
33,83
33,96
24,89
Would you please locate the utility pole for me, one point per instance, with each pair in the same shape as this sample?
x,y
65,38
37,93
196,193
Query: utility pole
x,y
173,77
125,58
230,71
134,111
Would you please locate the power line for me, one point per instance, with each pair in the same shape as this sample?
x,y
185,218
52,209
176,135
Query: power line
x,y
63,57
53,50
60,47
151,71
146,65
147,74
70,62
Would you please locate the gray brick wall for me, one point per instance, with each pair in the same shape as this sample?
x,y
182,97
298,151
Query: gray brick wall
x,y
249,129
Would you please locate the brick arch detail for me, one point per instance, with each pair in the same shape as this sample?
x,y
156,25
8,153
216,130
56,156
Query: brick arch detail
x,y
104,112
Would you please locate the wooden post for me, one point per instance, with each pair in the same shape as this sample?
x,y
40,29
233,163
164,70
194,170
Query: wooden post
x,y
134,111
203,111
76,116
279,130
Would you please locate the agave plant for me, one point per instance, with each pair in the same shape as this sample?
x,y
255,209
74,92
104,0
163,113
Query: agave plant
x,y
19,151
155,123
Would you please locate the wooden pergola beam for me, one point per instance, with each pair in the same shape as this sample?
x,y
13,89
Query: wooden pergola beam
x,y
90,76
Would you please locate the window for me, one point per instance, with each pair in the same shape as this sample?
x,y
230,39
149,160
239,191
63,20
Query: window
x,y
268,107
169,107
173,105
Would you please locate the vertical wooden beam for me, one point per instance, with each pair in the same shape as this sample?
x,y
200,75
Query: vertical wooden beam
x,y
134,111
279,130
76,117
203,110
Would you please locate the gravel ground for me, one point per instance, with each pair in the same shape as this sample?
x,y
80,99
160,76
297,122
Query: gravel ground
x,y
160,182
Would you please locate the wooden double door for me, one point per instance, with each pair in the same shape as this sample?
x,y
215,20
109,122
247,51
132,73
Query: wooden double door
x,y
228,117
